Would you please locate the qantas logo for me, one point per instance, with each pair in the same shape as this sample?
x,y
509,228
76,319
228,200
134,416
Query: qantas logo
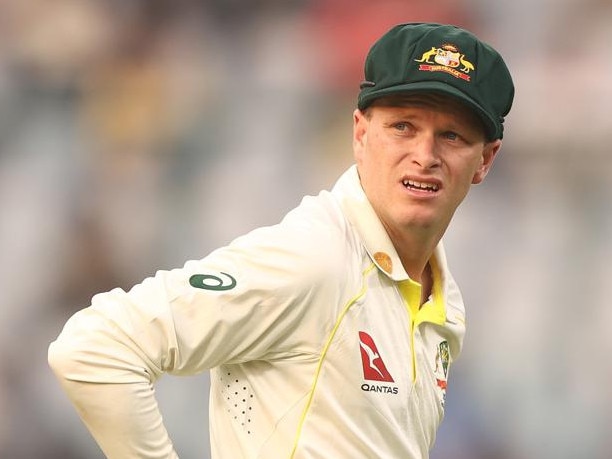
x,y
373,366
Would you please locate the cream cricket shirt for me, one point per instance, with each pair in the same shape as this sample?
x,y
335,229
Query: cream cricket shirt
x,y
312,332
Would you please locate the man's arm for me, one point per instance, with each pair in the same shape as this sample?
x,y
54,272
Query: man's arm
x,y
111,389
240,303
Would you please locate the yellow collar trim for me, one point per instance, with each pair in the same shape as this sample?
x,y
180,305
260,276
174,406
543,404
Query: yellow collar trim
x,y
434,309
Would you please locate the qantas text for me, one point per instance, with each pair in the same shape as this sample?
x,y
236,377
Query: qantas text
x,y
376,388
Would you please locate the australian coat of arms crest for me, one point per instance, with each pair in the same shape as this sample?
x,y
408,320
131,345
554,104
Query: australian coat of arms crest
x,y
446,58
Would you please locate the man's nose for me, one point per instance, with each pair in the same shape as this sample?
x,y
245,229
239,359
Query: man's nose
x,y
424,151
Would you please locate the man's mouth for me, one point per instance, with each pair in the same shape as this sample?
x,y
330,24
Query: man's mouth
x,y
421,186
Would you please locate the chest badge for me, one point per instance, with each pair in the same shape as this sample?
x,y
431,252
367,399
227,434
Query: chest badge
x,y
441,368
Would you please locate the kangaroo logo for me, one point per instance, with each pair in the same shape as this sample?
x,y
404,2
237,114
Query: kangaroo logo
x,y
428,54
374,368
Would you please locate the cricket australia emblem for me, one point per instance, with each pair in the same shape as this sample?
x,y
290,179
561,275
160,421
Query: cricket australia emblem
x,y
446,58
441,368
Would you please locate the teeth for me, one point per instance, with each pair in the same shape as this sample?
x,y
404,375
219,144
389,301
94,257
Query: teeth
x,y
420,185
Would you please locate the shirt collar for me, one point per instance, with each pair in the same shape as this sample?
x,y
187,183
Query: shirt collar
x,y
362,216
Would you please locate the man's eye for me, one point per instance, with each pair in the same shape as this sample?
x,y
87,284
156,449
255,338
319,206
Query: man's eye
x,y
451,135
401,126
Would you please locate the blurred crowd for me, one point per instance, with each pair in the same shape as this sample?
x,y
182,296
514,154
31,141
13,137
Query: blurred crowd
x,y
138,134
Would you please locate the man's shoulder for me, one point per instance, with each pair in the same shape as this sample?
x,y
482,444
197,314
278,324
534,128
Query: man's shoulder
x,y
317,223
322,210
328,206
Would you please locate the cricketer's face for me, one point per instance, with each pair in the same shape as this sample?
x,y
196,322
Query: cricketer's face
x,y
417,159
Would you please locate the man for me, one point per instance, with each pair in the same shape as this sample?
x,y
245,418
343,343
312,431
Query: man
x,y
331,334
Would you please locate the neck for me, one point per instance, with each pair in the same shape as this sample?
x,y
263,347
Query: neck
x,y
415,248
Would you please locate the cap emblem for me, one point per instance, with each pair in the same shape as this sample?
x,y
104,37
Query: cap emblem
x,y
448,59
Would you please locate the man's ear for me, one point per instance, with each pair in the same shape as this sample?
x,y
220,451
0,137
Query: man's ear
x,y
489,152
360,128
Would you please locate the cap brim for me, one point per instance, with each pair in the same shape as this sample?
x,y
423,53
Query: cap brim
x,y
439,87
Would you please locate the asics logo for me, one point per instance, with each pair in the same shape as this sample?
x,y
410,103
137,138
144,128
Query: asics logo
x,y
212,282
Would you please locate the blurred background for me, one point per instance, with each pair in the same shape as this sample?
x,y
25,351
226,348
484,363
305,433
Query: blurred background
x,y
138,134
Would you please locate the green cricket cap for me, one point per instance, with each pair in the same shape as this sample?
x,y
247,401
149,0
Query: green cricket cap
x,y
428,57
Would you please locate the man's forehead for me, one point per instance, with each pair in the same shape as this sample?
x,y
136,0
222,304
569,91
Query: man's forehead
x,y
431,100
